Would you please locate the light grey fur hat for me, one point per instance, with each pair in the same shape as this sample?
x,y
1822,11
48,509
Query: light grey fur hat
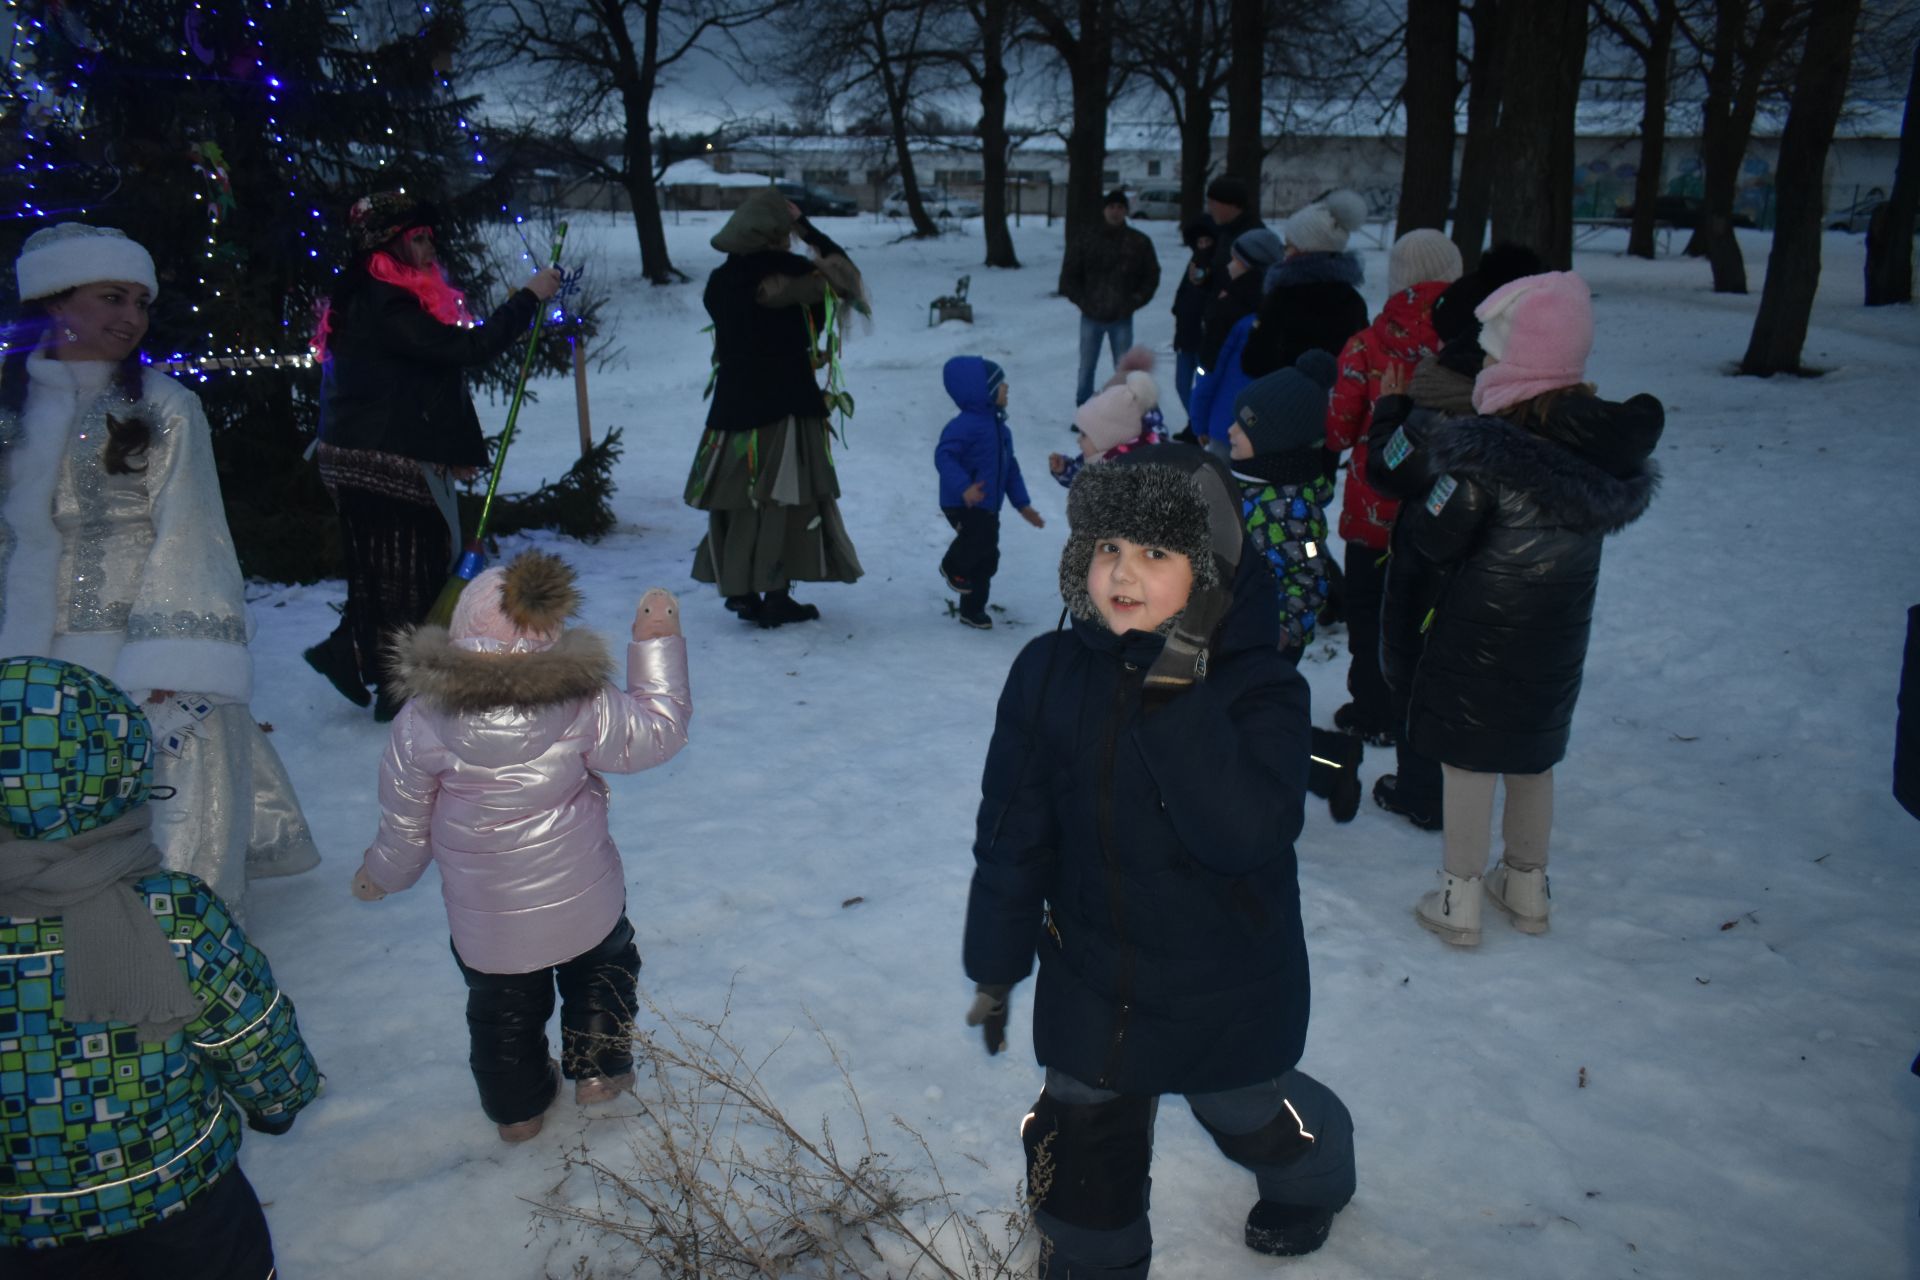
x,y
1169,496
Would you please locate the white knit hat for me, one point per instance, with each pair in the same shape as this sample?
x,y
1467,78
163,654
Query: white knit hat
x,y
58,258
1324,225
1421,255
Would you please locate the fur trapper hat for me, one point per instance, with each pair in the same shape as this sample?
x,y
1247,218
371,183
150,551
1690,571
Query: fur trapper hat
x,y
75,751
70,254
1172,496
521,608
1324,225
1287,409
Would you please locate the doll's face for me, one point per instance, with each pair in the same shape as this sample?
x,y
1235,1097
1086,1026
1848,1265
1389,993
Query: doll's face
x,y
104,320
1136,587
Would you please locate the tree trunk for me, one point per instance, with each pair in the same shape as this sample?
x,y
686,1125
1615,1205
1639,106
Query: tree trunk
x,y
1196,151
1533,163
1091,70
1483,120
1426,174
1723,143
993,134
643,193
1793,267
1246,81
1890,233
895,91
1653,130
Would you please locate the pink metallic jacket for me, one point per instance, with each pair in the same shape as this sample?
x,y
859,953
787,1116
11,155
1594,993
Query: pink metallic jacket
x,y
493,771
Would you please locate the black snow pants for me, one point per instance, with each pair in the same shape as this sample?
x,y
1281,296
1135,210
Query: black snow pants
x,y
220,1235
974,556
507,1017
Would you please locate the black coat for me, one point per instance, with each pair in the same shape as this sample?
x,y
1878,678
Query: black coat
x,y
1190,306
1499,564
1236,300
1110,272
396,377
766,369
1310,303
1147,855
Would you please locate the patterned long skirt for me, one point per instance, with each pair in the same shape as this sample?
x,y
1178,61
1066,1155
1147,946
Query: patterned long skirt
x,y
772,512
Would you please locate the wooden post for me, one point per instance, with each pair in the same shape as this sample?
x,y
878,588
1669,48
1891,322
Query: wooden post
x,y
580,393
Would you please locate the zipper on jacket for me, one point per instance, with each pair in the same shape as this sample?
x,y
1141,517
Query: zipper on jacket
x,y
1124,987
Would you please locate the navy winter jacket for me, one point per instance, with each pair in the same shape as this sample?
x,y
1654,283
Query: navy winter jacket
x,y
976,445
1145,853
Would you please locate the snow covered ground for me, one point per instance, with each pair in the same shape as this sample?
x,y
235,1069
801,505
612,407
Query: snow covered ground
x,y
1732,968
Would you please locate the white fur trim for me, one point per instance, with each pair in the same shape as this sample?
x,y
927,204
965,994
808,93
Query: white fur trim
x,y
58,258
219,671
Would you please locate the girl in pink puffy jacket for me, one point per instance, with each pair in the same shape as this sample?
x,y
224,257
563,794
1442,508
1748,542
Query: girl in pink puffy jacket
x,y
494,771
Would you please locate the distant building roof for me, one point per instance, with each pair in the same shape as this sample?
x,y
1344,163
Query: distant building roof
x,y
698,173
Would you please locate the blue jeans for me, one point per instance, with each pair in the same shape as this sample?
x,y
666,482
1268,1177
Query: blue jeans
x,y
1323,1176
1119,336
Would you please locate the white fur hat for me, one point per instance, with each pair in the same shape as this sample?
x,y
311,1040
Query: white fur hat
x,y
58,258
1324,225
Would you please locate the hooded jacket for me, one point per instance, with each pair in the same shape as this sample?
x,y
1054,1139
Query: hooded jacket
x,y
1210,403
1400,337
1310,301
1145,853
1499,564
396,379
493,771
977,444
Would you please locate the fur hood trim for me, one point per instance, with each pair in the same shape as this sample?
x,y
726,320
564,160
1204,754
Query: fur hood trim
x,y
428,665
1569,488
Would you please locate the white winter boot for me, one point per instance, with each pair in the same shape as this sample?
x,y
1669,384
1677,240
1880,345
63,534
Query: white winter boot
x,y
1521,894
1452,910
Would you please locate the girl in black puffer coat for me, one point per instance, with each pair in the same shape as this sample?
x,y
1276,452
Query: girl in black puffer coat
x,y
1498,567
1141,797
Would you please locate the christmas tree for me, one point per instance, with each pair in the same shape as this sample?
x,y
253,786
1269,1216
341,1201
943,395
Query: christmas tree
x,y
230,138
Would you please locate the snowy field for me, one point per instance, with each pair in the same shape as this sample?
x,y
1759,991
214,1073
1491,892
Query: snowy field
x,y
1701,1072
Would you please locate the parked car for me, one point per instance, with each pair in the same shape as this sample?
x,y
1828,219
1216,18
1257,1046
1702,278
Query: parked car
x,y
1157,202
939,203
816,203
1682,212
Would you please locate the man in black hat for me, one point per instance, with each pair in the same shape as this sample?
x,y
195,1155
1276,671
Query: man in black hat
x,y
1231,206
1110,272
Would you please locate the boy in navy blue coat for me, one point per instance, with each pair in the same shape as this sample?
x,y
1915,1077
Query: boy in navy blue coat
x,y
1142,793
977,470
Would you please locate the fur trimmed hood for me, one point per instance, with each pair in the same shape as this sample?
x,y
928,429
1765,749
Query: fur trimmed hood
x,y
1589,467
460,681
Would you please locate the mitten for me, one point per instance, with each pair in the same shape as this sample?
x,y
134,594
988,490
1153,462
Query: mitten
x,y
989,1013
365,889
1183,662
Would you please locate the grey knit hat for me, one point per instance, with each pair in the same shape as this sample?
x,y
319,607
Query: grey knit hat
x,y
1258,248
1287,409
1171,496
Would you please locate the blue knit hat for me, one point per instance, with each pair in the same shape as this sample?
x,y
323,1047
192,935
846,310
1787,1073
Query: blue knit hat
x,y
75,752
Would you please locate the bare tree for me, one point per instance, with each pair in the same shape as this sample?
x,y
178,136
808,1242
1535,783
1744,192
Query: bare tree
x,y
1247,27
1741,63
975,39
1475,195
1432,87
1890,234
1081,32
1646,28
1180,48
842,49
1533,182
1793,266
595,62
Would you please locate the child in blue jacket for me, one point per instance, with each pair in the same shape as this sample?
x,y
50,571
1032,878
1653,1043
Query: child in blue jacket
x,y
977,470
139,1029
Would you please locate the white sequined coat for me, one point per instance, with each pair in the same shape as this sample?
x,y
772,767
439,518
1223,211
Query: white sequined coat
x,y
134,576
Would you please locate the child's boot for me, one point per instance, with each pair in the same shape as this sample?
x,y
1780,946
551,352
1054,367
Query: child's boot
x,y
1287,1230
1523,895
1452,910
1333,772
589,1090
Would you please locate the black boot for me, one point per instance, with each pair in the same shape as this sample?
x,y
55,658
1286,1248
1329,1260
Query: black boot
x,y
746,606
333,658
1386,794
1287,1230
1347,720
780,608
387,705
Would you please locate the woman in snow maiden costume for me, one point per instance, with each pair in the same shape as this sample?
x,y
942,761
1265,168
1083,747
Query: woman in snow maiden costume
x,y
764,470
114,551
1498,565
494,771
1142,793
138,1026
398,427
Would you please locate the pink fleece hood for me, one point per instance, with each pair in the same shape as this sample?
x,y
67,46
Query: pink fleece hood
x,y
1538,333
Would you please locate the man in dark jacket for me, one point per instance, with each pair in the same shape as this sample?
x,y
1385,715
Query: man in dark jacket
x,y
1142,793
1110,272
1231,206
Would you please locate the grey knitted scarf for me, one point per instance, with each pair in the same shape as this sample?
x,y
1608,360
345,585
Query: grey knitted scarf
x,y
120,966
